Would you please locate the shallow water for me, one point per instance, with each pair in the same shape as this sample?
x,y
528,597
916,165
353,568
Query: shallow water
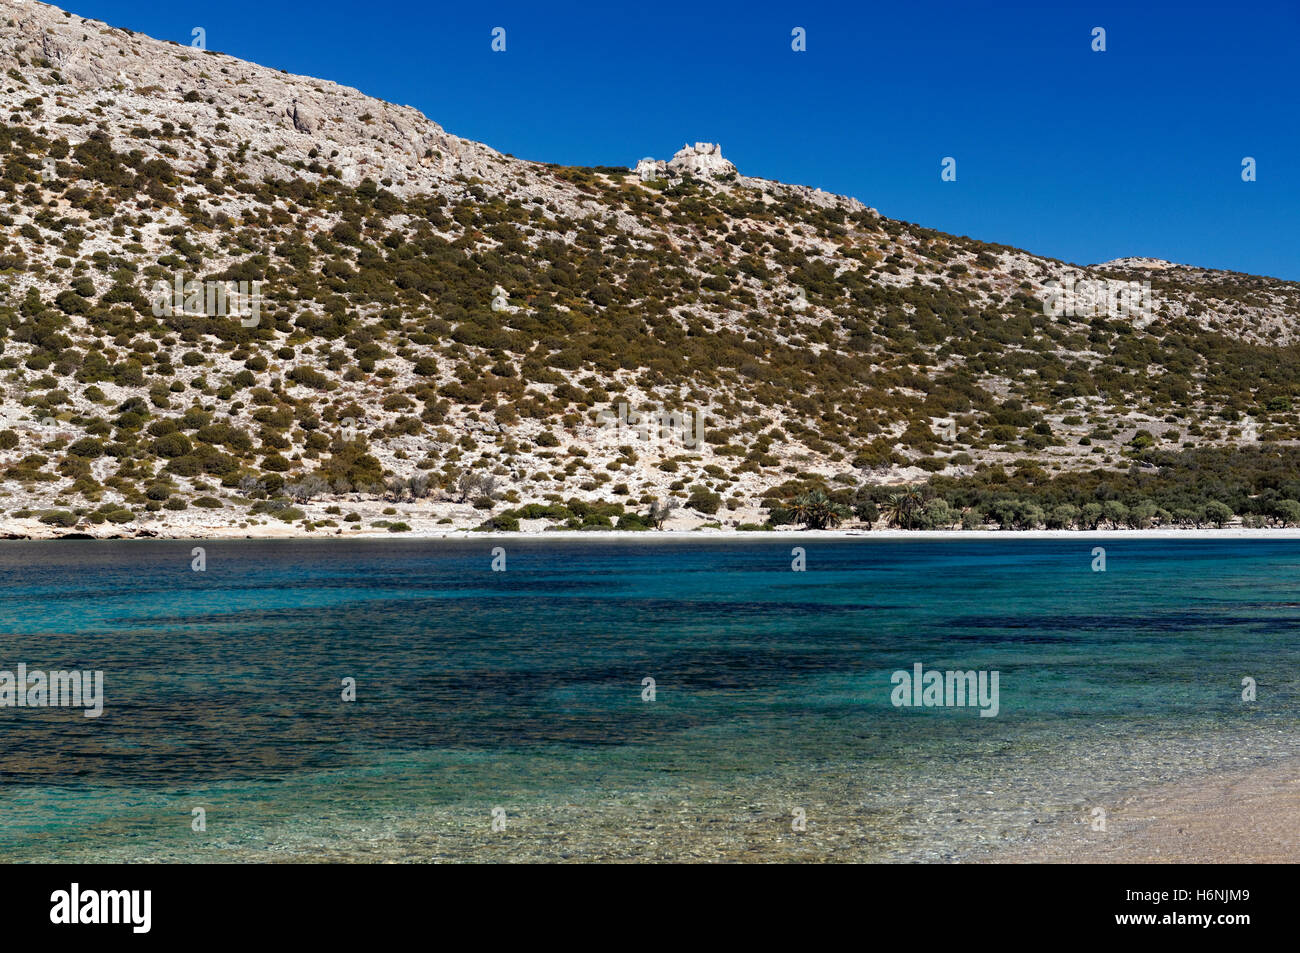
x,y
522,690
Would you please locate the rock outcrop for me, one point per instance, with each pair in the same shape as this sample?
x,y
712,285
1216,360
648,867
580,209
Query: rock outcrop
x,y
649,169
702,160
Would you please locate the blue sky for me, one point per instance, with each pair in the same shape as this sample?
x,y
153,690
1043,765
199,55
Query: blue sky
x,y
1067,152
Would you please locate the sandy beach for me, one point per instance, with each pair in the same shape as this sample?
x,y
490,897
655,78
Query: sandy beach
x,y
1247,818
434,525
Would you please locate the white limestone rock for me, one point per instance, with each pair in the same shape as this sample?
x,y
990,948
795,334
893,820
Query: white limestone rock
x,y
702,160
649,169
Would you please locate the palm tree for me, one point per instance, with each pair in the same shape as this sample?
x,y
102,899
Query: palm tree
x,y
903,509
797,509
816,510
660,510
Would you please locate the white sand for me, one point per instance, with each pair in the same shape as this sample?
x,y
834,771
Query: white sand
x,y
425,529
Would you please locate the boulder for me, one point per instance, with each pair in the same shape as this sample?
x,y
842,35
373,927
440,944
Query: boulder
x,y
304,120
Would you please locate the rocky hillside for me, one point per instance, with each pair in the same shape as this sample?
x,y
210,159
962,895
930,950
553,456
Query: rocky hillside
x,y
235,298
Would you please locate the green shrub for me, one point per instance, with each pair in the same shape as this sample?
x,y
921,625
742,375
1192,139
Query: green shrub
x,y
87,447
704,500
59,518
310,377
172,445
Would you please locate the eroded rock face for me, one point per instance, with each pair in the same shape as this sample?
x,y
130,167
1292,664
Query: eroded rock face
x,y
228,101
304,119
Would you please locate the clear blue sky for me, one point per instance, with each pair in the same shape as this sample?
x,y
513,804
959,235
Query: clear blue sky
x,y
1066,152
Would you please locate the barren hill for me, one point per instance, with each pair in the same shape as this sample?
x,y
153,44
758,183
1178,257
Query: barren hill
x,y
422,325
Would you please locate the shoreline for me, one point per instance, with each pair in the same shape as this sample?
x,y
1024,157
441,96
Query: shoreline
x,y
1251,817
39,532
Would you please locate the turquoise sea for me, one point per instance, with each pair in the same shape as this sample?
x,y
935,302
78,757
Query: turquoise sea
x,y
517,696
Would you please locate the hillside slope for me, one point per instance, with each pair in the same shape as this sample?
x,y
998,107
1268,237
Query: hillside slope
x,y
440,330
